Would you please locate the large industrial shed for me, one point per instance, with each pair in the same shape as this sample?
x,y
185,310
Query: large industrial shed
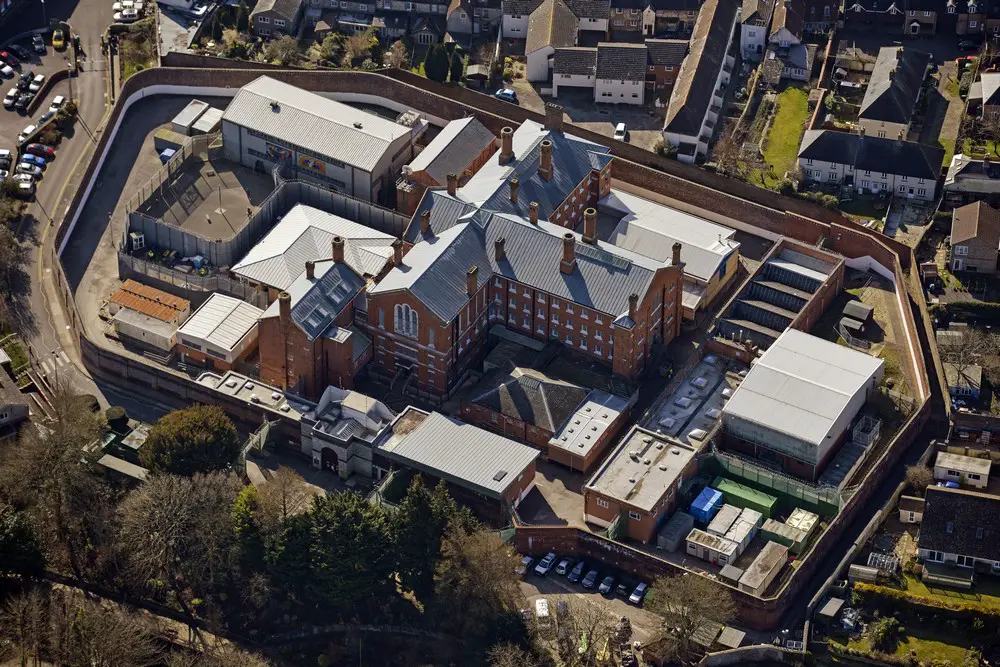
x,y
796,405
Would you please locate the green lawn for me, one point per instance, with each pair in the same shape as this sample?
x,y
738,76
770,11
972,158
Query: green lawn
x,y
18,355
991,147
928,647
786,131
865,207
949,150
985,592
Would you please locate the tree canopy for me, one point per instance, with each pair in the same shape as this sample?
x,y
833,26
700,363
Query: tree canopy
x,y
200,438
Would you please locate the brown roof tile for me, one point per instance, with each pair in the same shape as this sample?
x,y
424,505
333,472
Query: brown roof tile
x,y
149,301
977,220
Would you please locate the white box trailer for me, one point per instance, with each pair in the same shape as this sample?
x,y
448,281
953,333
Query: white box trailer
x,y
711,548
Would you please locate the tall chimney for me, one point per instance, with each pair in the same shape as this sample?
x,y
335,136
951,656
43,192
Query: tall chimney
x,y
553,117
452,184
472,280
397,252
506,145
499,252
590,226
633,306
569,256
338,250
675,260
514,186
545,167
425,222
310,270
284,307
533,212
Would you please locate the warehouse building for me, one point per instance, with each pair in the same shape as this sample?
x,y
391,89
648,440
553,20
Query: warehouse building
x,y
220,333
796,405
317,139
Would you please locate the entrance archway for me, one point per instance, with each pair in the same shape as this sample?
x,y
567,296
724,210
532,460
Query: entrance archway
x,y
329,460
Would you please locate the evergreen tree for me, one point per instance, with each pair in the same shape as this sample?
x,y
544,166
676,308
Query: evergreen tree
x,y
243,17
417,529
200,438
436,65
457,67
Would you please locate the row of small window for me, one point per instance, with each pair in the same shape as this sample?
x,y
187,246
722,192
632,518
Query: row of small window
x,y
635,96
278,23
597,349
635,516
868,172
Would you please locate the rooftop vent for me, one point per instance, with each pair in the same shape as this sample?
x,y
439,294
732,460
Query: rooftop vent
x,y
275,106
284,408
231,383
500,475
647,440
587,409
675,451
647,462
663,468
249,385
254,399
632,480
358,125
659,445
275,395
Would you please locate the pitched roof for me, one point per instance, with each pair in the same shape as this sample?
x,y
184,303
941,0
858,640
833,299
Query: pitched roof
x,y
149,301
590,9
453,149
221,321
757,12
894,85
529,396
868,153
961,522
324,126
286,8
788,15
692,94
520,7
575,60
991,87
306,234
977,220
432,23
552,24
317,301
666,52
625,62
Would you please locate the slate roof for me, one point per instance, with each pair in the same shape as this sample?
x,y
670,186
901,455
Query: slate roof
x,y
316,302
529,396
961,522
575,60
757,12
453,149
590,9
788,15
552,24
894,85
666,52
520,7
991,87
903,158
286,8
692,94
977,220
624,62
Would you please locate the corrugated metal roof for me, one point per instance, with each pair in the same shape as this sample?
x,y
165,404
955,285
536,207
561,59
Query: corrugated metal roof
x,y
222,321
149,301
453,149
464,454
306,234
320,125
801,385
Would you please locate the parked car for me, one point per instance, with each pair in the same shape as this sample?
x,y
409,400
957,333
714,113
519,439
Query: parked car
x,y
23,178
563,567
25,190
525,562
507,95
591,579
10,98
37,83
46,152
577,572
7,72
545,564
198,11
46,116
58,39
5,157
57,103
37,160
9,58
23,100
4,174
24,81
126,16
25,133
20,51
968,45
607,586
624,588
38,44
28,168
621,132
639,593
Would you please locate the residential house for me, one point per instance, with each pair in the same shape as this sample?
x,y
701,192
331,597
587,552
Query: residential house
x,y
574,67
665,58
755,23
964,470
653,17
552,26
964,381
820,15
921,17
975,238
459,17
659,60
970,180
274,18
593,16
874,14
911,509
984,95
894,89
515,17
960,528
871,164
971,20
428,29
696,100
621,73
786,25
626,17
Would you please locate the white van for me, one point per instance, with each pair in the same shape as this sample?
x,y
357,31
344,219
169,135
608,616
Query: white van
x,y
25,133
542,616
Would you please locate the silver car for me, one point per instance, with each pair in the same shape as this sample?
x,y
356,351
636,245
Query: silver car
x,y
28,168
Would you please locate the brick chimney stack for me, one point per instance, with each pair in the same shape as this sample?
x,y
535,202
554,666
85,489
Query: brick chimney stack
x,y
545,166
675,260
569,253
397,252
533,212
553,117
633,306
472,281
311,270
590,226
338,250
514,187
452,184
506,145
425,222
284,307
499,252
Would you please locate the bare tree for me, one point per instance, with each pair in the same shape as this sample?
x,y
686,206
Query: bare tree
x,y
990,126
919,477
686,603
510,655
90,634
284,494
587,631
398,56
221,655
23,621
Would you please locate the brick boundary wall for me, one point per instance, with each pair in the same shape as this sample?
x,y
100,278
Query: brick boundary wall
x,y
50,82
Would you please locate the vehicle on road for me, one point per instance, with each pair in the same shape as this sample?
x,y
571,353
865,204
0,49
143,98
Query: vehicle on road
x,y
38,44
25,133
545,564
563,567
621,132
9,58
507,95
577,572
525,562
10,98
24,81
198,11
122,5
46,152
639,593
126,16
37,160
58,39
7,72
23,100
590,579
28,168
607,586
37,83
968,45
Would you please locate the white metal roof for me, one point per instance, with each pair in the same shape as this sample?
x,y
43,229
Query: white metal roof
x,y
801,385
306,234
962,463
222,321
590,422
320,125
651,229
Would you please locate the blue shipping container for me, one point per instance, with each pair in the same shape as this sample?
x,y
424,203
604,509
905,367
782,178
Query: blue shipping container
x,y
706,505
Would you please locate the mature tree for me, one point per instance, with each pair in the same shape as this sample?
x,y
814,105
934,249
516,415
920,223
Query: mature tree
x,y
89,634
179,532
283,51
436,65
398,55
242,17
919,477
289,558
685,603
511,655
49,474
24,623
20,550
590,629
284,493
457,67
359,46
418,526
234,43
200,438
13,259
223,655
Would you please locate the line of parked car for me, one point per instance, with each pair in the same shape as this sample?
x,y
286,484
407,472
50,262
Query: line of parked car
x,y
20,96
588,577
127,11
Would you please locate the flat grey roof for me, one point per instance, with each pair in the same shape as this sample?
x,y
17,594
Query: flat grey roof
x,y
962,463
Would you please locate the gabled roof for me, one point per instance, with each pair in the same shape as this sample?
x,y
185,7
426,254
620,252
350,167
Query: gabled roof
x,y
453,149
221,321
575,60
757,12
520,7
590,9
692,94
529,396
317,301
991,87
149,301
625,62
957,521
286,8
788,15
977,220
435,24
666,52
894,85
552,24
306,234
875,154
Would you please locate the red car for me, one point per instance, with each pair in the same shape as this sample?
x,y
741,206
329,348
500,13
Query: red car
x,y
41,150
9,58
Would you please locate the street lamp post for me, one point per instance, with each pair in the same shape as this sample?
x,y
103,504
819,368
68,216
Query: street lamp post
x,y
45,20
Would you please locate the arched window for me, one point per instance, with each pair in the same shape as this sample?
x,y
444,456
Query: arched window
x,y
407,322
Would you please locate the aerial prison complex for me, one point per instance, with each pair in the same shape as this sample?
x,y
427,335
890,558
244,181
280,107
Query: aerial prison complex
x,y
529,284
